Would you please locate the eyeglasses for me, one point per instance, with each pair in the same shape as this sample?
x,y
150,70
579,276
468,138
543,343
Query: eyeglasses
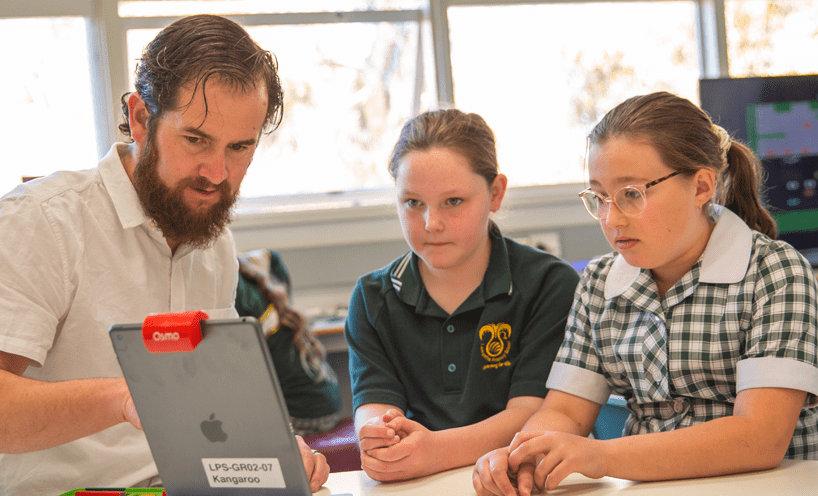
x,y
630,200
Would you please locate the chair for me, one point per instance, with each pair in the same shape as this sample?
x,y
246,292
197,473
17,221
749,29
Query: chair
x,y
340,446
611,420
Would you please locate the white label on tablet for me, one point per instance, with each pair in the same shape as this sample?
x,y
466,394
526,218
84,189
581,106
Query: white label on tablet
x,y
244,472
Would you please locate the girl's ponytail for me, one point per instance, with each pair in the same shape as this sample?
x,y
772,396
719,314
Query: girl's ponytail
x,y
740,189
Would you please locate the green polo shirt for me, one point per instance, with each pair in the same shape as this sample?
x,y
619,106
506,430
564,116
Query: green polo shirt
x,y
308,393
453,370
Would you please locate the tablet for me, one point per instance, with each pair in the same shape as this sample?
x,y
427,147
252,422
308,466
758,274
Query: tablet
x,y
214,417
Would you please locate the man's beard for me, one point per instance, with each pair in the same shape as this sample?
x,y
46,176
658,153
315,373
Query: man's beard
x,y
167,208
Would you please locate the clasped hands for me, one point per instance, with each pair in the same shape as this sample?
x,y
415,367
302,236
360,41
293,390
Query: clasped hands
x,y
396,448
541,459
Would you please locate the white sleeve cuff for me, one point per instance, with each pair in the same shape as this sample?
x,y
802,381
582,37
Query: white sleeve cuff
x,y
774,372
579,382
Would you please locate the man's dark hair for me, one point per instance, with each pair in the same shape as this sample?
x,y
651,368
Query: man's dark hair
x,y
194,49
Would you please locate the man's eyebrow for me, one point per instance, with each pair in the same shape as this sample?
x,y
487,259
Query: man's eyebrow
x,y
198,132
247,142
202,134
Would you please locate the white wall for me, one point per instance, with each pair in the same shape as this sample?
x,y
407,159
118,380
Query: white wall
x,y
327,245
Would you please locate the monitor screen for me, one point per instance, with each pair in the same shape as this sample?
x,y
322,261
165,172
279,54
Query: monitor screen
x,y
778,118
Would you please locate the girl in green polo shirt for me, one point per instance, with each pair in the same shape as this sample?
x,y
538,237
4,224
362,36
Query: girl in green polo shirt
x,y
450,345
309,384
700,319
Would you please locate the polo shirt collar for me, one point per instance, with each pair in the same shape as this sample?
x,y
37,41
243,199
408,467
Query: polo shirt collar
x,y
120,188
725,259
406,278
497,281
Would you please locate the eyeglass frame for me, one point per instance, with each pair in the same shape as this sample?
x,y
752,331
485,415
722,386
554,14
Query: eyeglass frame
x,y
610,199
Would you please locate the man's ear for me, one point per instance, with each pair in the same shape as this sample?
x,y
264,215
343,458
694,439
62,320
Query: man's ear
x,y
138,118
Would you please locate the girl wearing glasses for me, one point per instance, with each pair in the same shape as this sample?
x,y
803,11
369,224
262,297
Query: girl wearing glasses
x,y
700,319
451,343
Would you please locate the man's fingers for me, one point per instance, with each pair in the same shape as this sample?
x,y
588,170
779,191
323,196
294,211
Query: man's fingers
x,y
320,472
131,415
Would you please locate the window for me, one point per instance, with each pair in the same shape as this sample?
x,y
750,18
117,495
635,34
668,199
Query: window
x,y
349,86
148,8
47,99
540,71
771,37
549,72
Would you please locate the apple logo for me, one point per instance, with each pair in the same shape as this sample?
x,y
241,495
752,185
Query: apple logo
x,y
212,429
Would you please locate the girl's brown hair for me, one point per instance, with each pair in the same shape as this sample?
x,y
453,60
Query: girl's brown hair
x,y
467,134
687,140
452,129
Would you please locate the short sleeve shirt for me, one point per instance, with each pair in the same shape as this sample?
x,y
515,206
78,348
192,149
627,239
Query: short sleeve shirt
x,y
77,255
743,317
453,370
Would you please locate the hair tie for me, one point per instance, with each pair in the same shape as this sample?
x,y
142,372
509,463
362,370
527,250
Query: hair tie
x,y
725,141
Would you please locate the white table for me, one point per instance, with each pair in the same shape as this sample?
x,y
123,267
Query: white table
x,y
791,478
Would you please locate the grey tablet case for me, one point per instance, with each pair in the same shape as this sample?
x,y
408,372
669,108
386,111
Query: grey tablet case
x,y
214,417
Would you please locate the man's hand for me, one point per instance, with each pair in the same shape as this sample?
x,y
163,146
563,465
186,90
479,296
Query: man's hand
x,y
315,464
129,412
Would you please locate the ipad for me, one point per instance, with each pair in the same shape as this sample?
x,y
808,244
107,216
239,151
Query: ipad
x,y
214,417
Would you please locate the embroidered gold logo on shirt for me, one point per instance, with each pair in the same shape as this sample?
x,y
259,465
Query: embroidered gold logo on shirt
x,y
495,344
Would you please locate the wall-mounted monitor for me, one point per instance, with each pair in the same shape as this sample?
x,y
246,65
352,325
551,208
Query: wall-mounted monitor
x,y
778,118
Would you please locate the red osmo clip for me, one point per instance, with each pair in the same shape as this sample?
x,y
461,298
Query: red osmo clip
x,y
171,332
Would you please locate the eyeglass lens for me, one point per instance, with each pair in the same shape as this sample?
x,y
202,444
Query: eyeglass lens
x,y
629,200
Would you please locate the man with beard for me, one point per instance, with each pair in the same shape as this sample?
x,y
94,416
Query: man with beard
x,y
144,232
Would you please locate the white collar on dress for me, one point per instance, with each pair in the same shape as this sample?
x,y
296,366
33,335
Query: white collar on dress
x,y
724,261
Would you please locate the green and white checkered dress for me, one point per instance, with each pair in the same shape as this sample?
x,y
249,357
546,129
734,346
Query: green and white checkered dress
x,y
743,317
